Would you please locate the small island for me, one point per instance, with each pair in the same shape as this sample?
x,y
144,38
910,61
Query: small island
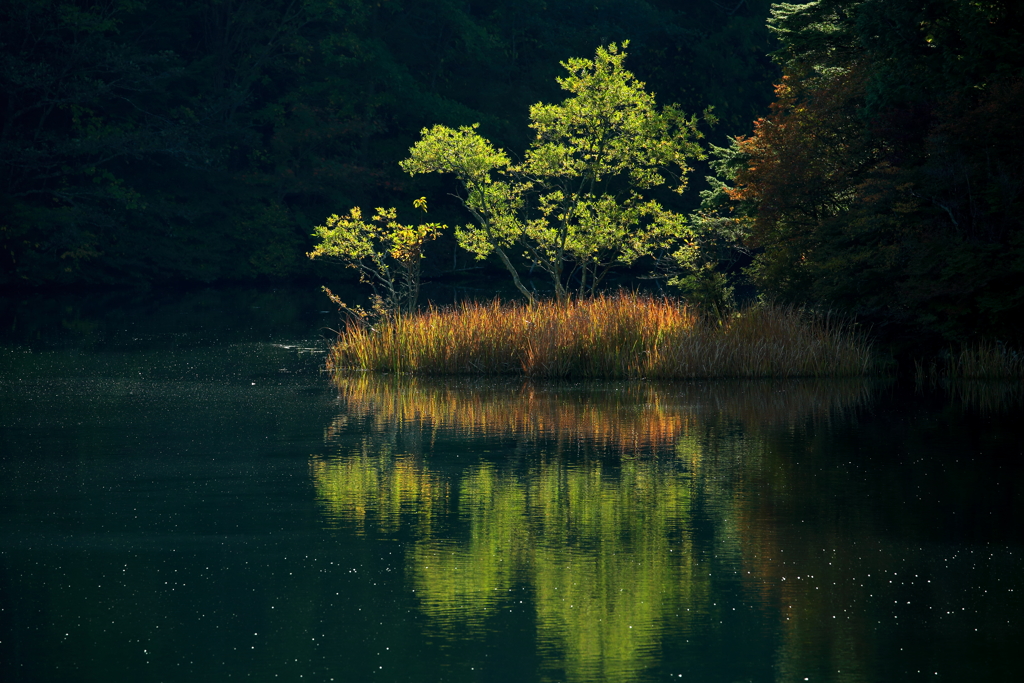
x,y
592,194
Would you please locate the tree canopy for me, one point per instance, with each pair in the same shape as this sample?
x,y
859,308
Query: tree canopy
x,y
386,253
886,179
578,197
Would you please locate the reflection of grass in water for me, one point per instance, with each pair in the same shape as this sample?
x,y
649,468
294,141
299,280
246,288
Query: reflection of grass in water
x,y
984,376
602,544
630,417
623,336
987,396
600,552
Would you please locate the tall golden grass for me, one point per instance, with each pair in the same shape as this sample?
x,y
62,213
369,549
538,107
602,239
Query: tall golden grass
x,y
624,336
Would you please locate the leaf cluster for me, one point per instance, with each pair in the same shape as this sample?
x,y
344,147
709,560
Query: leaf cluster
x,y
578,203
386,253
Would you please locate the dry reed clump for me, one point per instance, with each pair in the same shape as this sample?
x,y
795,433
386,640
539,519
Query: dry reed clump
x,y
985,361
624,336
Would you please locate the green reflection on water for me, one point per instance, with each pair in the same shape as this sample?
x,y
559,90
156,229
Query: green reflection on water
x,y
605,555
584,510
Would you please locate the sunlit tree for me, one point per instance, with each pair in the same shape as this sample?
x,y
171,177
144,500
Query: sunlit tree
x,y
581,200
386,253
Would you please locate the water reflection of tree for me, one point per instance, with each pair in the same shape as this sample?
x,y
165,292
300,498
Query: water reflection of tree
x,y
876,503
605,555
597,524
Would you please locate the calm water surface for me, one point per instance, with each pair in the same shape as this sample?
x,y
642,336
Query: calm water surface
x,y
185,497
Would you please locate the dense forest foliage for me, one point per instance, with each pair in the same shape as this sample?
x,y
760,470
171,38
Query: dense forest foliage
x,y
146,142
887,179
203,140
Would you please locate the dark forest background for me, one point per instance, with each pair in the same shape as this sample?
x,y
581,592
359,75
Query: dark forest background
x,y
869,155
203,140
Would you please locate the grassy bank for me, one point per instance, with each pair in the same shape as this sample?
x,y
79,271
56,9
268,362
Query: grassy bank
x,y
979,361
616,337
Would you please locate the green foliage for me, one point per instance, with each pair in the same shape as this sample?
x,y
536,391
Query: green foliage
x,y
695,267
386,253
704,266
579,197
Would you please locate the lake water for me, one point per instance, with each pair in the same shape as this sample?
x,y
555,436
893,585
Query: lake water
x,y
186,497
